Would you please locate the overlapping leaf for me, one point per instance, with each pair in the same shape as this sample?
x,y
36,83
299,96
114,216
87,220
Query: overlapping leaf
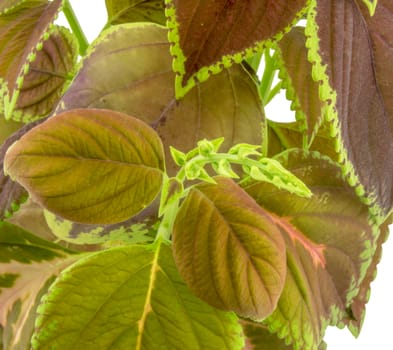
x,y
356,51
27,264
130,231
329,244
35,61
139,302
92,166
283,136
210,35
129,70
7,5
11,193
302,90
228,250
260,338
357,310
124,11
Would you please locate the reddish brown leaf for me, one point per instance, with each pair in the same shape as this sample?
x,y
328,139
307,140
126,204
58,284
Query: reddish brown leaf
x,y
214,34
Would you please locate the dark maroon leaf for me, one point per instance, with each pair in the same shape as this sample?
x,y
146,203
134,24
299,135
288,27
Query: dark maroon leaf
x,y
358,56
211,34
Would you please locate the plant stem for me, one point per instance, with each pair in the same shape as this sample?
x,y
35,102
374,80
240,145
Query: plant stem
x,y
165,229
268,76
75,26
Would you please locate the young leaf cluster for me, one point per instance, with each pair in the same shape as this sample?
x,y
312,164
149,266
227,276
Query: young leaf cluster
x,y
147,201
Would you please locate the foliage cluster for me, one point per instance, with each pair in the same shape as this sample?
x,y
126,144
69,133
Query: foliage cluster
x,y
146,202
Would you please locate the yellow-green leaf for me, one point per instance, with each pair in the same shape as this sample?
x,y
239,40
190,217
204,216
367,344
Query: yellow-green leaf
x,y
92,166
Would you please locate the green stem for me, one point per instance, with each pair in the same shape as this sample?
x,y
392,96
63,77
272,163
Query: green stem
x,y
268,76
166,225
75,26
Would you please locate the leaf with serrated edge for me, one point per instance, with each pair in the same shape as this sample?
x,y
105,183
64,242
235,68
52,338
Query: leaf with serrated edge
x,y
89,165
228,250
302,90
31,262
48,76
124,11
23,32
210,35
359,98
140,302
130,64
329,248
357,309
258,337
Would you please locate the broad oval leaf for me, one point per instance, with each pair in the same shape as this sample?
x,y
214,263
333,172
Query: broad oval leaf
x,y
125,11
228,250
27,265
35,61
139,302
130,64
92,166
351,57
329,243
210,35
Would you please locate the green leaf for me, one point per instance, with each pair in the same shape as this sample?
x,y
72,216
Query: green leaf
x,y
302,90
139,302
351,57
260,338
35,59
130,64
210,35
124,11
329,245
27,263
228,250
91,166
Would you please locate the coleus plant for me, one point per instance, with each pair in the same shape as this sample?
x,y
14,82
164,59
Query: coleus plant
x,y
147,202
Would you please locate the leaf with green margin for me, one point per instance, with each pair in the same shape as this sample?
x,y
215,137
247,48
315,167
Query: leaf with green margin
x,y
351,57
11,193
371,5
23,32
48,77
258,337
301,89
140,302
27,263
130,64
89,165
283,136
357,310
228,250
329,244
125,11
131,231
210,35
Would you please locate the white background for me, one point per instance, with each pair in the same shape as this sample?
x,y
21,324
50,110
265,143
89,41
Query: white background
x,y
378,327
